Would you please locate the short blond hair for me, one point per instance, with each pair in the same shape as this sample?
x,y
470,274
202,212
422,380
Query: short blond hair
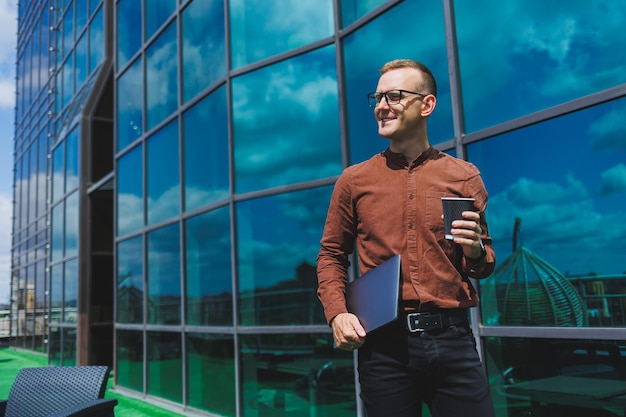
x,y
429,80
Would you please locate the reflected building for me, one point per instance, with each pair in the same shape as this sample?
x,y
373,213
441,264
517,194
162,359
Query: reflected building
x,y
174,161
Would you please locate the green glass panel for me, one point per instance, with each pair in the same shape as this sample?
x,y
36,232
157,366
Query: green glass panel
x,y
129,357
289,225
165,373
209,271
296,374
211,355
130,278
164,293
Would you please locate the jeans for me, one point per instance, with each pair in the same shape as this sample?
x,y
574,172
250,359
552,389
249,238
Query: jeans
x,y
399,370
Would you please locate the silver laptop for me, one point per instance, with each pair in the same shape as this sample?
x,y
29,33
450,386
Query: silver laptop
x,y
373,297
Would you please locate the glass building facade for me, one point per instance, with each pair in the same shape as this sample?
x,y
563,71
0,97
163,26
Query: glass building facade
x,y
174,160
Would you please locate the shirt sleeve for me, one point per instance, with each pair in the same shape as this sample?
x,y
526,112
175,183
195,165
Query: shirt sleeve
x,y
484,266
337,244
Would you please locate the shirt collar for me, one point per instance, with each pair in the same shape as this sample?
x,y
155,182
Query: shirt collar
x,y
397,160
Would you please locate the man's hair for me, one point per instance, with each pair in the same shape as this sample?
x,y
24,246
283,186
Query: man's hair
x,y
429,80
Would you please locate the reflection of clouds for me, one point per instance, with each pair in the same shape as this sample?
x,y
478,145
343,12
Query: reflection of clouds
x,y
614,179
566,45
567,229
527,193
196,197
288,109
161,65
129,213
261,28
164,206
607,132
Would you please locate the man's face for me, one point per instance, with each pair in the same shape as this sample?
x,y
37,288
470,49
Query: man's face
x,y
402,120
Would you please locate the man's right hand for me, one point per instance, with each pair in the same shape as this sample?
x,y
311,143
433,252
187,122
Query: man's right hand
x,y
347,331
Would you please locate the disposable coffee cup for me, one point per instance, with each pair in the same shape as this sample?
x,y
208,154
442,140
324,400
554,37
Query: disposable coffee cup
x,y
453,208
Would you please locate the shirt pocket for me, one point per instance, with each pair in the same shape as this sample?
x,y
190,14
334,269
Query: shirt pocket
x,y
433,213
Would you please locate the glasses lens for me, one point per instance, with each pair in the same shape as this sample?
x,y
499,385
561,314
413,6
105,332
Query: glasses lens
x,y
394,96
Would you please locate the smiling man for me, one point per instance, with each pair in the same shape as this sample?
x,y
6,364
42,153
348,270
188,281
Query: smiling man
x,y
391,204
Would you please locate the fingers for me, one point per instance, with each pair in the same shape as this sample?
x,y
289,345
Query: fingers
x,y
348,331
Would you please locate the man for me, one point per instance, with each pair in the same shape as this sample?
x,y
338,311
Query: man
x,y
391,204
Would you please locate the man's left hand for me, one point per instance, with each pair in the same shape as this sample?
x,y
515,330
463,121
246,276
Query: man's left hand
x,y
467,233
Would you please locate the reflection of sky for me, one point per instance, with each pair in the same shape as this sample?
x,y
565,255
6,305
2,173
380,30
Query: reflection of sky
x,y
391,36
276,234
163,176
567,182
286,122
541,56
262,28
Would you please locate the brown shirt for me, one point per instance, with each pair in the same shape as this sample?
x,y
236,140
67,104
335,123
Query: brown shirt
x,y
386,206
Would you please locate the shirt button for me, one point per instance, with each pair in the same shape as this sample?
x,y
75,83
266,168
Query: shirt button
x,y
410,225
411,197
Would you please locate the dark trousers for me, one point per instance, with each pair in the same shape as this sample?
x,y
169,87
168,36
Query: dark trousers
x,y
398,371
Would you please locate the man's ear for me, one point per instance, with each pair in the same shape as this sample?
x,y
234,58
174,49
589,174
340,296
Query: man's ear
x,y
428,105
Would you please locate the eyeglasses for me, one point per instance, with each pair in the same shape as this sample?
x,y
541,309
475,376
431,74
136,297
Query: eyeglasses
x,y
392,97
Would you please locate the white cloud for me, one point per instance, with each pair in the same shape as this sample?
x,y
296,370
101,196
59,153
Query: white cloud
x,y
6,211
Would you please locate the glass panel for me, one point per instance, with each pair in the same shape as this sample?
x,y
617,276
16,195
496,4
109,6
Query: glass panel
x,y
54,346
164,306
362,66
305,90
260,29
68,31
81,14
545,56
70,284
58,172
129,355
556,377
130,192
351,10
82,61
69,346
165,373
211,355
57,226
68,81
71,161
565,201
72,216
163,178
130,281
296,375
206,151
96,41
162,77
157,12
129,105
289,225
209,272
128,30
42,173
204,52
56,293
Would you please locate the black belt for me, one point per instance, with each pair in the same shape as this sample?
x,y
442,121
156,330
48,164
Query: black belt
x,y
427,321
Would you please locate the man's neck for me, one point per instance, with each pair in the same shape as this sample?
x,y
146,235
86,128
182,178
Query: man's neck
x,y
411,149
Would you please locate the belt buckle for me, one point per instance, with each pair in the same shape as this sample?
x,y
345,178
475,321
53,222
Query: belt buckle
x,y
412,322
